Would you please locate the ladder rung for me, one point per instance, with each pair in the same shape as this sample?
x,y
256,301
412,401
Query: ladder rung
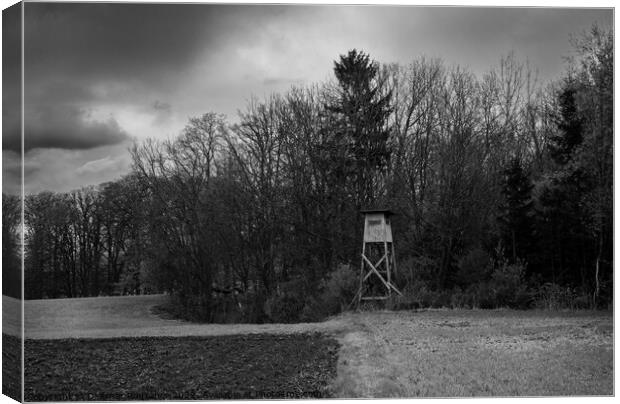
x,y
374,297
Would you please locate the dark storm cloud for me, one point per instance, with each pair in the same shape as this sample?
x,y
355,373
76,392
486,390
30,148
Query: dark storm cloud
x,y
11,77
72,49
129,41
79,56
11,172
68,127
112,40
11,45
56,115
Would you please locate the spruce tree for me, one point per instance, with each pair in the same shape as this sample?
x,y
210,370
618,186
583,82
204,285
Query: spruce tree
x,y
570,125
362,108
516,216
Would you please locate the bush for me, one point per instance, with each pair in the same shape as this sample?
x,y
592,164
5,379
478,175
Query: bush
x,y
417,270
491,285
313,311
416,294
551,296
441,299
285,307
473,267
605,298
339,289
508,285
288,303
419,295
187,307
404,302
460,299
481,296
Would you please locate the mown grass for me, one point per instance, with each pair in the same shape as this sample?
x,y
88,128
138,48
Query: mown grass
x,y
163,368
473,353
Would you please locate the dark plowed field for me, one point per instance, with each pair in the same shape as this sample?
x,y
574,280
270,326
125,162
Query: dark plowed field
x,y
161,368
11,367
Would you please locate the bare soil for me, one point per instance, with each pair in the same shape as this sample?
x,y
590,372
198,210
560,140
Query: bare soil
x,y
180,368
11,367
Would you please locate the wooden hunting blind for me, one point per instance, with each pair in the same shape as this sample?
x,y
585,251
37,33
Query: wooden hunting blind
x,y
378,261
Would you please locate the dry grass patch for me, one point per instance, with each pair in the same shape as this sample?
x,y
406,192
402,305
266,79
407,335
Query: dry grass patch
x,y
463,353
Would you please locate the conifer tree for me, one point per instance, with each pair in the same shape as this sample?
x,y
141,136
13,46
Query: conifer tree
x,y
362,107
516,212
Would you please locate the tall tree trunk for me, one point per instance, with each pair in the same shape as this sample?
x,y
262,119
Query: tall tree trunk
x,y
597,289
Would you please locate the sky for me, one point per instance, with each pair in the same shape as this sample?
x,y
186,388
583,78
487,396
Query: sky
x,y
98,77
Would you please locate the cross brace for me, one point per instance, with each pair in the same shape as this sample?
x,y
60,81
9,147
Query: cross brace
x,y
373,269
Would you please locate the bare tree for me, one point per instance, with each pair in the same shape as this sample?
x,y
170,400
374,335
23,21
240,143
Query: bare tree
x,y
178,175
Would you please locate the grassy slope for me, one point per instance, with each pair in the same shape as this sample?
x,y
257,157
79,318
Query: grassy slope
x,y
11,316
477,353
133,316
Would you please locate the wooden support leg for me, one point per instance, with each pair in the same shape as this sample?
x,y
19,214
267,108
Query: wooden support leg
x,y
359,293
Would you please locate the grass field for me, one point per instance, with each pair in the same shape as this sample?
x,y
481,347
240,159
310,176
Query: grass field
x,y
130,316
434,353
464,353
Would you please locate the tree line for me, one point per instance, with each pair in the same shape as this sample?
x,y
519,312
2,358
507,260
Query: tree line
x,y
502,188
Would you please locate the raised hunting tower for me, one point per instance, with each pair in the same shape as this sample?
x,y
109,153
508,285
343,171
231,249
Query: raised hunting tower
x,y
378,261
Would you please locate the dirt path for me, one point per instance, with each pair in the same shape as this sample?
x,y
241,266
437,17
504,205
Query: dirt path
x,y
364,369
